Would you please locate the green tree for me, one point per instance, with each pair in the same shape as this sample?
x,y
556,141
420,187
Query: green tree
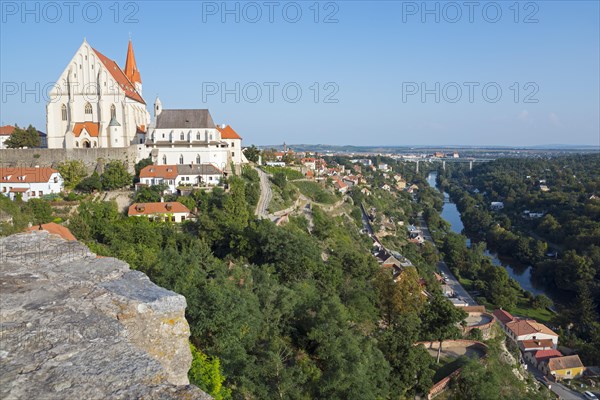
x,y
40,209
115,176
20,138
90,184
72,171
148,194
206,373
252,153
140,165
541,302
440,320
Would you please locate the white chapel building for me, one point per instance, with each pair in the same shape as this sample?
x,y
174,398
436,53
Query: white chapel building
x,y
190,136
96,104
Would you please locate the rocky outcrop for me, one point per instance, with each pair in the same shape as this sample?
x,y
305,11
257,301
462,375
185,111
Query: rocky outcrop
x,y
77,326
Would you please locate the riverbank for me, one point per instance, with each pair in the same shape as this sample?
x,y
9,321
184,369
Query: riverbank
x,y
527,289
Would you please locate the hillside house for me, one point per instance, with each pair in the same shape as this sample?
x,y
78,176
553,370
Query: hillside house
x,y
161,211
174,176
30,183
567,367
528,329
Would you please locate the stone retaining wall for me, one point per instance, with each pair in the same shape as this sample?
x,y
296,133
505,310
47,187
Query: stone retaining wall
x,y
91,158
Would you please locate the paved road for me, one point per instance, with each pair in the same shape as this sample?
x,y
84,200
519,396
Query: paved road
x,y
453,283
559,389
265,195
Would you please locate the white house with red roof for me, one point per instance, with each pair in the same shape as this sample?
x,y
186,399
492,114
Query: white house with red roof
x,y
94,103
30,183
161,211
176,176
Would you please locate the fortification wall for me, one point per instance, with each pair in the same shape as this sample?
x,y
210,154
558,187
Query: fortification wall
x,y
92,158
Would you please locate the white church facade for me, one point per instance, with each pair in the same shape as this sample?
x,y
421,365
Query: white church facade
x,y
95,103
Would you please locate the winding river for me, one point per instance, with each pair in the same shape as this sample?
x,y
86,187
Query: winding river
x,y
451,214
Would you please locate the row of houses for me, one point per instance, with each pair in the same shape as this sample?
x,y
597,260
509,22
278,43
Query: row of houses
x,y
539,346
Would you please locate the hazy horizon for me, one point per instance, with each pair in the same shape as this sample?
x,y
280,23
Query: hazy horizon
x,y
383,72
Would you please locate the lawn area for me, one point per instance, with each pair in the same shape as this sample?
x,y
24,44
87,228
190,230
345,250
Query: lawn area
x,y
523,309
290,174
316,192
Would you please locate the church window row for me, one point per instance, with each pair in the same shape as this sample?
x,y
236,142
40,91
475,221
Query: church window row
x,y
181,160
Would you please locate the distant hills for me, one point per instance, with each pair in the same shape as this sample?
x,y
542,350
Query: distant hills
x,y
325,148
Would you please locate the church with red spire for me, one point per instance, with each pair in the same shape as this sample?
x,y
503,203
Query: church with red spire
x,y
96,104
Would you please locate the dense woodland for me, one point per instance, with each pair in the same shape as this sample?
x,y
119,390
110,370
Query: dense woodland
x,y
561,242
286,311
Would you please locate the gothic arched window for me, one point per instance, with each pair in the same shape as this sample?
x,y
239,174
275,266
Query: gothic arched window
x,y
165,160
181,159
63,110
198,136
113,111
181,136
88,108
198,159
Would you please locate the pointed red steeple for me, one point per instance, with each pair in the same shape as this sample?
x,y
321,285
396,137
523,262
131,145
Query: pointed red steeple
x,y
131,70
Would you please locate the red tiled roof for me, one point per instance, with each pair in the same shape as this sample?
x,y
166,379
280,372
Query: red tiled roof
x,y
157,208
91,128
228,132
527,327
159,171
29,175
503,316
338,182
119,76
141,128
18,190
535,343
54,229
558,363
542,355
6,130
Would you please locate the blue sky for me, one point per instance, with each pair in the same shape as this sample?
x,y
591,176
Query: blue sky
x,y
370,61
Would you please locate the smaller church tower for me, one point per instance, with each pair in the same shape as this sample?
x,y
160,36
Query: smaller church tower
x,y
115,133
157,107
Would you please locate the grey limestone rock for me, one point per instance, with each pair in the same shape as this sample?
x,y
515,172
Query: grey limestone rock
x,y
77,326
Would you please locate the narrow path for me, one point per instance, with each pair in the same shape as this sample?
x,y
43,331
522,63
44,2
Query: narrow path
x,y
265,195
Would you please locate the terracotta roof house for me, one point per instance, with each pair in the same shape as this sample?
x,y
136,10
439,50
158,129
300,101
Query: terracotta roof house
x,y
54,229
535,345
167,211
545,355
567,367
175,176
504,317
30,182
528,329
